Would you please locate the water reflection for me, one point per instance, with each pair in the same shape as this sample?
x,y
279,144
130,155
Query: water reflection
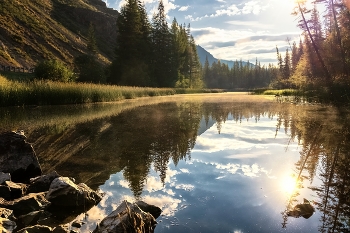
x,y
214,164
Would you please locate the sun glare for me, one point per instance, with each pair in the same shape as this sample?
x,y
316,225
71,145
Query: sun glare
x,y
288,184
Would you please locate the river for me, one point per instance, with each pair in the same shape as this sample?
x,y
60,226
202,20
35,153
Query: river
x,y
225,162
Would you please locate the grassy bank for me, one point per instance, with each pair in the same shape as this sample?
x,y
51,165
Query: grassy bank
x,y
13,93
284,92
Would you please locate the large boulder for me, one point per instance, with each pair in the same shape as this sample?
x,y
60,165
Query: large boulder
x,y
18,158
41,183
127,218
24,205
64,192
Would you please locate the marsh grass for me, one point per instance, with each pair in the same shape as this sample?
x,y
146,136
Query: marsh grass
x,y
283,92
16,92
13,93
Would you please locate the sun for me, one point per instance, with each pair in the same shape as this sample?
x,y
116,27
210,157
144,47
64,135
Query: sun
x,y
288,184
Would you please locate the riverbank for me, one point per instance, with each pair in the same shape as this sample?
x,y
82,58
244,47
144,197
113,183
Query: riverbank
x,y
38,92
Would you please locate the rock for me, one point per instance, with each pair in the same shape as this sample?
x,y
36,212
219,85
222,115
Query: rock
x,y
18,158
6,213
127,218
7,225
41,183
24,205
152,209
77,224
32,218
36,229
5,192
4,177
305,210
61,229
17,190
64,192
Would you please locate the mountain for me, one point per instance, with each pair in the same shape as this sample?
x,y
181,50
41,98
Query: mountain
x,y
34,30
202,53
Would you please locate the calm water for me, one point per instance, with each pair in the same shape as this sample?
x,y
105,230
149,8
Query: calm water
x,y
218,163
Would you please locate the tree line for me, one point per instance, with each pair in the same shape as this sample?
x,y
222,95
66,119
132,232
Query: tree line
x,y
151,53
239,76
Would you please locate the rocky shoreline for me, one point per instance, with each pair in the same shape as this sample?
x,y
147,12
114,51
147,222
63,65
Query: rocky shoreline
x,y
32,202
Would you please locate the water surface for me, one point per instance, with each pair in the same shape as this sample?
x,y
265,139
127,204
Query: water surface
x,y
213,163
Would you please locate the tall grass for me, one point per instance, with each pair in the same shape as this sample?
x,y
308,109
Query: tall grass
x,y
40,92
56,93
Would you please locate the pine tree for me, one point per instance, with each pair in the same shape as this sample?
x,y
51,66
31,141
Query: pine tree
x,y
161,50
130,66
91,40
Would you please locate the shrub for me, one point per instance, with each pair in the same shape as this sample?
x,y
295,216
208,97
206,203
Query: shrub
x,y
89,69
54,70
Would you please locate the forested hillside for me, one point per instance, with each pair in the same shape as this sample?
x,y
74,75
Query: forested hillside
x,y
35,30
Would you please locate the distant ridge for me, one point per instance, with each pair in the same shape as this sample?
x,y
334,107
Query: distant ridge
x,y
202,53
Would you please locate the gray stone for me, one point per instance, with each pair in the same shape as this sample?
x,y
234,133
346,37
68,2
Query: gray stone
x,y
64,192
127,218
18,158
41,183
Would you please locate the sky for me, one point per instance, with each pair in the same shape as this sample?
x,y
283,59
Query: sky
x,y
233,29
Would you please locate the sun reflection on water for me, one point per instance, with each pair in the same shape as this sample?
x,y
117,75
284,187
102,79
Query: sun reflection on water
x,y
288,184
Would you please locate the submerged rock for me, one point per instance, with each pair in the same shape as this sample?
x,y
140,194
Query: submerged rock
x,y
127,218
18,158
152,209
305,210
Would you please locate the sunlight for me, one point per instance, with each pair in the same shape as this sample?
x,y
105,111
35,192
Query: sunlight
x,y
288,184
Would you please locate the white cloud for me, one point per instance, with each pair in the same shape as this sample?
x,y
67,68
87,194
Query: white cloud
x,y
252,7
184,8
169,205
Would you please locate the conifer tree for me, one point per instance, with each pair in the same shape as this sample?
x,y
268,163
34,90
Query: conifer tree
x,y
161,49
130,66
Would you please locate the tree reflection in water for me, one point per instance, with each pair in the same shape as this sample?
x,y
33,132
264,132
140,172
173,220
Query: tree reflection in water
x,y
136,139
325,152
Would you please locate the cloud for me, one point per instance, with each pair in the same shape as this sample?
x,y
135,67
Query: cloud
x,y
282,37
184,8
252,7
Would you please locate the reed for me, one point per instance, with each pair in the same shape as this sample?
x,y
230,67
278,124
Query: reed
x,y
14,93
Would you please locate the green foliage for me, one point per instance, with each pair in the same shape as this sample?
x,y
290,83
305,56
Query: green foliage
x,y
91,40
89,69
54,70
